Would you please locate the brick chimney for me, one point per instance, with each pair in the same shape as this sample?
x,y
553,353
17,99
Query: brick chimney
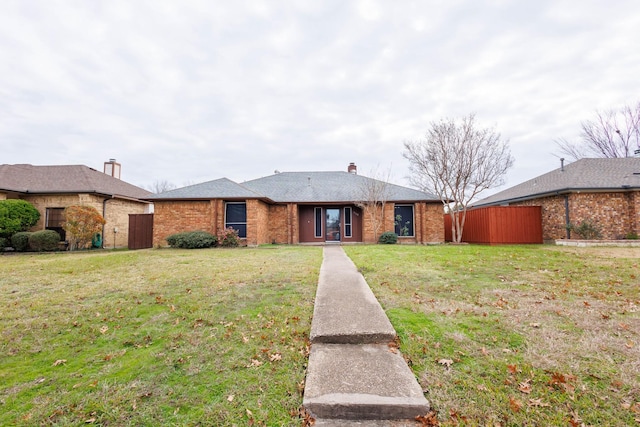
x,y
352,169
112,168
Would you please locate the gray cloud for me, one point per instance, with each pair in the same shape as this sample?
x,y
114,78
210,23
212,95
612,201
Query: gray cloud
x,y
197,90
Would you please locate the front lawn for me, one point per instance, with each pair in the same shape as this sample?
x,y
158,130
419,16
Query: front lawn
x,y
516,335
156,337
500,336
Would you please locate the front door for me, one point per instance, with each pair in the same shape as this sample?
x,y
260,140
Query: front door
x,y
332,225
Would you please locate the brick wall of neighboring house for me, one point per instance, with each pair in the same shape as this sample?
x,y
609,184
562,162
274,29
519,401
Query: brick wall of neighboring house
x,y
614,213
116,212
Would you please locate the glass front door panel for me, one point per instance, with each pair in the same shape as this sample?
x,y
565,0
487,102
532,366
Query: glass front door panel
x,y
332,225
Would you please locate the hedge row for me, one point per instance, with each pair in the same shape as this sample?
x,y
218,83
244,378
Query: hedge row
x,y
43,240
201,239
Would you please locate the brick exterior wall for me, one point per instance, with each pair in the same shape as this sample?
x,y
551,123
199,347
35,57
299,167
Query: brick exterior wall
x,y
615,213
116,213
279,223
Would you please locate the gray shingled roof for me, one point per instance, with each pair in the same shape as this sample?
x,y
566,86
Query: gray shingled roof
x,y
293,187
65,179
222,188
324,187
583,175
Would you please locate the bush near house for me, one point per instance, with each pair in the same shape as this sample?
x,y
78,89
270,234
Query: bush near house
x,y
587,230
4,242
15,216
20,241
228,238
81,224
192,240
44,240
388,238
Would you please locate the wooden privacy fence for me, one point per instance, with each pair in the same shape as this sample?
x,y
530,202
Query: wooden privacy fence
x,y
496,225
140,231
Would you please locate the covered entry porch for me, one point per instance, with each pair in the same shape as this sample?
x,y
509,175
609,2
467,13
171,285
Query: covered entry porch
x,y
330,223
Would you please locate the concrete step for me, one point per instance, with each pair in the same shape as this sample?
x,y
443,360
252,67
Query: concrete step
x,y
346,311
361,382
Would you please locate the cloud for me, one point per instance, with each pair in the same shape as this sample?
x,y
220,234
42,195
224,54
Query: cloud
x,y
193,91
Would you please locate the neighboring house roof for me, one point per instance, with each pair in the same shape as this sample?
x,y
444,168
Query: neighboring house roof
x,y
30,179
595,175
219,188
294,187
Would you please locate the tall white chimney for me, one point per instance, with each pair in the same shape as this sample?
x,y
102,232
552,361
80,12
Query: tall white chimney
x,y
112,168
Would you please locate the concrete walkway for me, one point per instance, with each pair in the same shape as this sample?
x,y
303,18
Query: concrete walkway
x,y
354,376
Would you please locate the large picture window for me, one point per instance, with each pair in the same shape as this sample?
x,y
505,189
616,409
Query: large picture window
x,y
236,217
403,220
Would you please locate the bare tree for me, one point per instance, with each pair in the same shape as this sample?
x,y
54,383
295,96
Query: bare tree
x,y
374,192
160,186
613,133
456,161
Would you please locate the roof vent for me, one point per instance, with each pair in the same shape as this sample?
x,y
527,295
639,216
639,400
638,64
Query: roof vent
x,y
352,169
562,164
112,168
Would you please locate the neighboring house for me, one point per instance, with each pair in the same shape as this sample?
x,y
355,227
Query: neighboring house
x,y
605,192
52,188
296,207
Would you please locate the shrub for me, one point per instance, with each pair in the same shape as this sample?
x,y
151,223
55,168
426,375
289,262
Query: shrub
x,y
587,230
82,223
44,240
228,238
4,242
20,241
631,236
388,238
15,216
192,240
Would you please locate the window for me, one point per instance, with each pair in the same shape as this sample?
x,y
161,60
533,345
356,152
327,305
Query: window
x,y
403,220
236,217
347,222
55,220
318,222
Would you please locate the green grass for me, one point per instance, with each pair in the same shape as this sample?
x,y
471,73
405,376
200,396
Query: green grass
x,y
508,336
156,337
515,335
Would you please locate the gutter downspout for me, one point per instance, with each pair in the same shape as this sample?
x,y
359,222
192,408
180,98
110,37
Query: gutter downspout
x,y
567,222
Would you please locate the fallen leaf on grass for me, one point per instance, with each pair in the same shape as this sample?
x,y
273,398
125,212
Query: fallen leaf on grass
x,y
230,398
525,387
515,404
446,362
254,363
275,357
104,329
537,403
59,362
428,420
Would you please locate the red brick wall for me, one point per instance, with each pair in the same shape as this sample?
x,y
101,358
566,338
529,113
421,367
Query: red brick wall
x,y
278,223
614,213
175,217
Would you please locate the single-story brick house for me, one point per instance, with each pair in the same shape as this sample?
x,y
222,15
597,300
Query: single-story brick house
x,y
605,192
296,207
52,188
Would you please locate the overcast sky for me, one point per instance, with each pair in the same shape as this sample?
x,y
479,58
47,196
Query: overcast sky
x,y
190,91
